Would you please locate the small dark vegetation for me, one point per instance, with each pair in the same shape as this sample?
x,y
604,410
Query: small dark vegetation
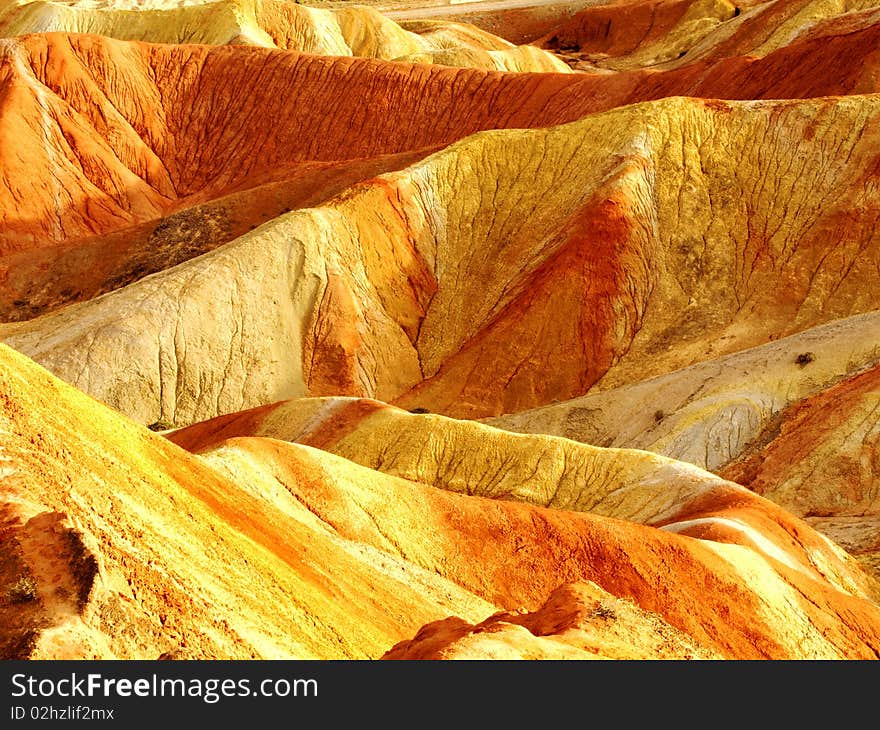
x,y
24,590
177,654
604,610
805,358
659,415
419,410
563,44
160,425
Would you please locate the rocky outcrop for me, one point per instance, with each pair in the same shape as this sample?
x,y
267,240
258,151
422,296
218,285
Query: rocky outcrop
x,y
472,459
96,163
184,559
100,178
39,280
793,420
621,35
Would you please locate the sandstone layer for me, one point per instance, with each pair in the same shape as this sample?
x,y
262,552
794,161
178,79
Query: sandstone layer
x,y
578,621
819,460
794,420
72,104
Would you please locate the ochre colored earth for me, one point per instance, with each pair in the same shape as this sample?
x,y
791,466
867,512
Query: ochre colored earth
x,y
326,333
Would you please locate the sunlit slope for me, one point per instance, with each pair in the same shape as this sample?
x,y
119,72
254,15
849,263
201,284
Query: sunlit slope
x,y
794,420
471,459
443,352
353,31
122,545
510,269
110,133
621,35
767,27
130,548
578,621
40,279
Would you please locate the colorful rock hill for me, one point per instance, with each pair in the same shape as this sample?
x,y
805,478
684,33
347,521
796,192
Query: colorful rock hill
x,y
328,336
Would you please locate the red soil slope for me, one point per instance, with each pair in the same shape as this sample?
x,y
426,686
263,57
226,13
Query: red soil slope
x,y
91,158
